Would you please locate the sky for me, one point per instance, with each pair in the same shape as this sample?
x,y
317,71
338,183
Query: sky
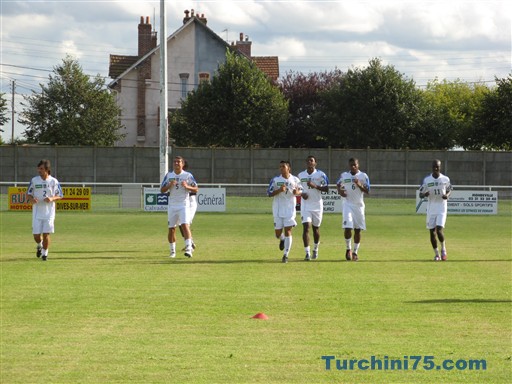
x,y
422,39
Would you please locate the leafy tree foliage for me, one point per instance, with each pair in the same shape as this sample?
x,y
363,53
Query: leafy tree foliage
x,y
72,109
492,128
303,95
239,108
372,107
451,107
3,111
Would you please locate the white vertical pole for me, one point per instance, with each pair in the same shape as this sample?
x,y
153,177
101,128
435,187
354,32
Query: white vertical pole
x,y
164,95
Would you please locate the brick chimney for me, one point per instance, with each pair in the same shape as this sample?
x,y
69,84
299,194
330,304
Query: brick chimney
x,y
145,36
190,14
244,45
147,41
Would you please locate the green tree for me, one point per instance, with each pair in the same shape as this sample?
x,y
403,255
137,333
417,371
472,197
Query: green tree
x,y
372,107
451,107
303,95
491,128
72,109
239,108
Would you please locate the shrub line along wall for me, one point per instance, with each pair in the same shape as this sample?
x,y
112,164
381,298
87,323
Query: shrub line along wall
x,y
250,165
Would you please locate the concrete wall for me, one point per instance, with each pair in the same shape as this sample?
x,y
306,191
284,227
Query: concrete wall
x,y
249,166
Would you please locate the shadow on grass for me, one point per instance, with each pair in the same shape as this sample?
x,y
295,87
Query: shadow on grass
x,y
455,301
293,261
434,262
61,253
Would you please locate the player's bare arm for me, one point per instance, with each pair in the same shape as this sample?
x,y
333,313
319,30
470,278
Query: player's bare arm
x,y
277,191
361,186
49,199
323,188
190,188
341,190
170,184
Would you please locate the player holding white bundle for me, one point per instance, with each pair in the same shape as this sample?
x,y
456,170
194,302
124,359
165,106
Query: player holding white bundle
x,y
313,182
352,185
42,193
284,189
179,183
436,187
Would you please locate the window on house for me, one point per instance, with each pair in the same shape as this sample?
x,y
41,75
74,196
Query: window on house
x,y
184,84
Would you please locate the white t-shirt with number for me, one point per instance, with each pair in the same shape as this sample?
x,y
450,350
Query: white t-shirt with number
x,y
179,195
436,189
314,201
41,189
283,205
355,196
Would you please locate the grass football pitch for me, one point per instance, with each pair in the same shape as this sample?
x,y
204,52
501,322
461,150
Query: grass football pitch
x,y
110,306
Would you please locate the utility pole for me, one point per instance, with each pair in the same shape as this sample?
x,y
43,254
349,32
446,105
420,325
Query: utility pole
x,y
164,95
12,110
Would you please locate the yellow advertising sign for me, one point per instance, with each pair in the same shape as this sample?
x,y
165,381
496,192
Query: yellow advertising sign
x,y
75,199
18,200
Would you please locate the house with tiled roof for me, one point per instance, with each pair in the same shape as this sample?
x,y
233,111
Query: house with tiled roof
x,y
194,53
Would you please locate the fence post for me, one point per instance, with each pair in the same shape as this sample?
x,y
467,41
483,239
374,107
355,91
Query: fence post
x,y
94,163
484,166
251,159
15,153
368,171
212,164
134,164
329,161
406,170
56,163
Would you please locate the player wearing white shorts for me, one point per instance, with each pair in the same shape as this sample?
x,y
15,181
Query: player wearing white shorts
x,y
179,183
42,193
436,187
284,189
313,182
192,200
352,185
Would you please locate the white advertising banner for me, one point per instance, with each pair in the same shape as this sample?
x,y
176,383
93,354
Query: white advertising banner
x,y
208,200
466,203
333,202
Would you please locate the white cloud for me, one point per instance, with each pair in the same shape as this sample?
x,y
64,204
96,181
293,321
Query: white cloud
x,y
425,39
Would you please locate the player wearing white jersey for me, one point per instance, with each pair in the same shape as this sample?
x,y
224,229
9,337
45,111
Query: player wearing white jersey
x,y
192,200
179,184
352,185
313,182
284,189
42,193
436,187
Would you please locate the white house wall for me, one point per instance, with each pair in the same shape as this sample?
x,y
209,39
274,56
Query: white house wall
x,y
193,50
127,100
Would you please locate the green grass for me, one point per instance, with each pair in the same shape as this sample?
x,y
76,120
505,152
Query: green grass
x,y
109,306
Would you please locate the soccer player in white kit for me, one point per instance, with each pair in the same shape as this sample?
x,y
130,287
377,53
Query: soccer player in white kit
x,y
314,182
179,183
284,189
192,200
352,185
436,187
42,193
